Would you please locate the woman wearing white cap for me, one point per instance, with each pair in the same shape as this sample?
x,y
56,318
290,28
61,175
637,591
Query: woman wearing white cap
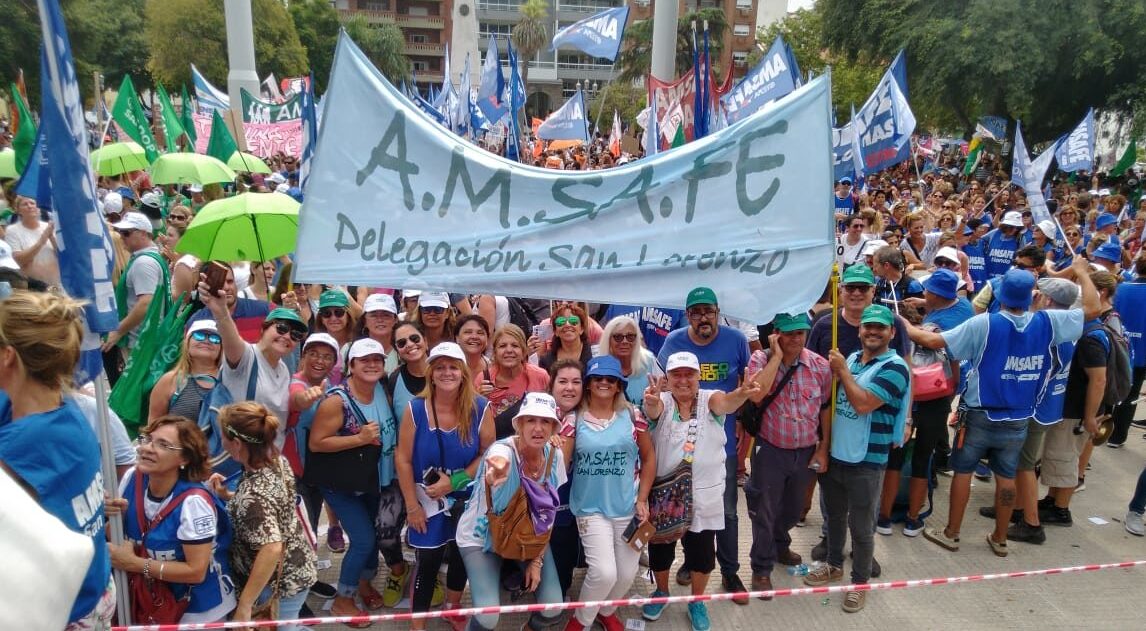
x,y
183,389
687,424
444,432
435,316
525,459
351,458
379,315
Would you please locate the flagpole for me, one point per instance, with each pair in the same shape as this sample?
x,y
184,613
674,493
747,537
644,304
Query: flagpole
x,y
604,91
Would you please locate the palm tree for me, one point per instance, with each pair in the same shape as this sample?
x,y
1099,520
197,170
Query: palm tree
x,y
383,44
529,34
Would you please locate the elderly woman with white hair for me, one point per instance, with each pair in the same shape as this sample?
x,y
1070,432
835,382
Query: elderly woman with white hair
x,y
622,339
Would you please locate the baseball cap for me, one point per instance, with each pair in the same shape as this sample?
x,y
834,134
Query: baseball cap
x,y
1048,228
943,283
1015,289
195,188
434,299
133,221
858,275
683,359
968,230
364,347
379,302
877,314
411,293
126,193
150,198
537,404
450,350
786,322
286,315
844,180
1103,192
202,325
949,253
1105,220
608,366
871,246
321,338
1061,291
6,259
277,178
112,204
1012,218
1109,251
700,296
332,298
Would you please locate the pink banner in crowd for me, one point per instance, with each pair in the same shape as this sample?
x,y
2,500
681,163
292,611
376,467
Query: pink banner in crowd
x,y
263,139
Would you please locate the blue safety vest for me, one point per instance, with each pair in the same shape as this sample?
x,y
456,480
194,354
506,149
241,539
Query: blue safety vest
x,y
976,263
1000,252
1014,366
1048,411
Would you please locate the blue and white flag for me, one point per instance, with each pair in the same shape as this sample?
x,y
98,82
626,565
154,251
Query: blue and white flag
x,y
478,122
844,157
569,122
84,248
1076,152
857,158
901,114
460,108
652,139
489,95
599,35
309,133
1029,174
31,184
773,77
516,100
992,127
883,144
210,98
1022,158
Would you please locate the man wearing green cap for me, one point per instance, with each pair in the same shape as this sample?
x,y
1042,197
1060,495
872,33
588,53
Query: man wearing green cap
x,y
723,354
871,410
795,392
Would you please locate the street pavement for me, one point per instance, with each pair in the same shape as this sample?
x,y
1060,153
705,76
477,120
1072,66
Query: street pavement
x,y
1101,600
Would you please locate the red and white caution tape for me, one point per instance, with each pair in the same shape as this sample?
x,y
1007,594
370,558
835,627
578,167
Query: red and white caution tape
x,y
510,609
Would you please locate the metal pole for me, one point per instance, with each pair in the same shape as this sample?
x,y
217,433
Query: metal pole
x,y
665,15
111,488
241,58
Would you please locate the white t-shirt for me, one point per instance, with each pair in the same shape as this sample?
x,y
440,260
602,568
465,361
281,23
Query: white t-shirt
x,y
272,388
848,254
44,265
197,520
467,523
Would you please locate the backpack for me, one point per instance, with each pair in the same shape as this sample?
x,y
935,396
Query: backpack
x,y
1118,370
521,315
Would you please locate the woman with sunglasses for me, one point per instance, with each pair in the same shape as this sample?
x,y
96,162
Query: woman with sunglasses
x,y
282,331
622,340
508,378
444,432
570,337
410,378
182,390
1063,256
351,458
334,319
436,317
182,548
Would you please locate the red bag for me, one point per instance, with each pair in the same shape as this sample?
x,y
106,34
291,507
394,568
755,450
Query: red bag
x,y
152,601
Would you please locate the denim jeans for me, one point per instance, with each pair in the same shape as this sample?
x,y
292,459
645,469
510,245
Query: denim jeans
x,y
999,442
289,606
356,512
727,540
851,493
1138,502
484,569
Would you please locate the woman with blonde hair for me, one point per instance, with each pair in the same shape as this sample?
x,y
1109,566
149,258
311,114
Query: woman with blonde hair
x,y
46,443
509,378
184,389
271,556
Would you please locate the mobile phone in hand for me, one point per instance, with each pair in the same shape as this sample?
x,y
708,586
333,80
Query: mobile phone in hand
x,y
216,276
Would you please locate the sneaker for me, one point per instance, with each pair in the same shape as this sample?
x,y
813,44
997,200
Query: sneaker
x,y
1134,525
1055,516
698,615
1027,533
574,625
939,537
912,527
762,583
1115,445
1000,549
395,588
335,540
876,570
439,596
323,590
1016,515
854,601
610,623
732,584
652,612
883,526
1081,485
683,576
820,551
1139,424
1045,503
789,558
983,472
823,575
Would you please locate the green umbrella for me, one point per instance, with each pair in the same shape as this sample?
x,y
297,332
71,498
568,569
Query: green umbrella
x,y
189,168
8,164
119,158
247,163
246,227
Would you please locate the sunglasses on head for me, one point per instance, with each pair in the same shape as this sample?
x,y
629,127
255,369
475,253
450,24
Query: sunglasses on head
x,y
327,312
295,333
625,337
413,338
432,310
206,336
567,320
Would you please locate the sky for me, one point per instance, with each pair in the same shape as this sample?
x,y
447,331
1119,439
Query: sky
x,y
796,5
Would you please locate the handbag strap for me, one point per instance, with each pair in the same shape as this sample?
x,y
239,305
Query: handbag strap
x,y
767,401
521,476
438,432
146,526
691,436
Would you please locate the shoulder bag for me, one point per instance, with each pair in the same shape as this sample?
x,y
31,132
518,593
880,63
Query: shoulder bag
x,y
670,499
513,534
152,601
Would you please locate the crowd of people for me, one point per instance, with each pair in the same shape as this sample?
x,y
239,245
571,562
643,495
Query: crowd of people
x,y
968,339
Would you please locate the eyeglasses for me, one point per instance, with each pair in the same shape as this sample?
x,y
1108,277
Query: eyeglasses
x,y
625,337
567,320
1074,234
414,338
1020,265
856,289
296,334
325,358
696,314
432,310
327,312
610,380
146,439
946,263
177,217
204,336
125,233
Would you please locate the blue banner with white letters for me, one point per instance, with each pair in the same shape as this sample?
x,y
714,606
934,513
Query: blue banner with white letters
x,y
773,77
599,35
567,123
1076,152
883,144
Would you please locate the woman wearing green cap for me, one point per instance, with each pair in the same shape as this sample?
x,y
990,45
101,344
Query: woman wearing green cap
x,y
334,317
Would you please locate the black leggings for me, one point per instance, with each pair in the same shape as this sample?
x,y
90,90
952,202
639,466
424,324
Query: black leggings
x,y
429,561
699,552
311,500
565,544
930,419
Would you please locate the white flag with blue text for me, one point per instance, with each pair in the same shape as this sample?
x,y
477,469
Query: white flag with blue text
x,y
567,123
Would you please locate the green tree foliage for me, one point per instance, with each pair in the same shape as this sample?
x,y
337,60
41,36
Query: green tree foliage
x,y
635,60
529,34
383,44
185,32
1042,62
316,22
625,97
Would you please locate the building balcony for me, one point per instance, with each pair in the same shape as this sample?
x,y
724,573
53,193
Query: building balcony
x,y
424,50
371,16
420,21
504,7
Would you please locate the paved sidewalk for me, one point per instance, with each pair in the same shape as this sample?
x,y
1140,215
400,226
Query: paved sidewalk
x,y
1105,599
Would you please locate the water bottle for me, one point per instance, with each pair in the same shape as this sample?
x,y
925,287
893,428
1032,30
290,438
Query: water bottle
x,y
798,570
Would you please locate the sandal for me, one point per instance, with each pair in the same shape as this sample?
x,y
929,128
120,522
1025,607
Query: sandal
x,y
356,613
372,599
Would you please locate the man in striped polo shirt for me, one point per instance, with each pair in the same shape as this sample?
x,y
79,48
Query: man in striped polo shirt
x,y
871,409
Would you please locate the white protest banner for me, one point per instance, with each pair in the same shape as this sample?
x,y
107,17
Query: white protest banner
x,y
394,201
